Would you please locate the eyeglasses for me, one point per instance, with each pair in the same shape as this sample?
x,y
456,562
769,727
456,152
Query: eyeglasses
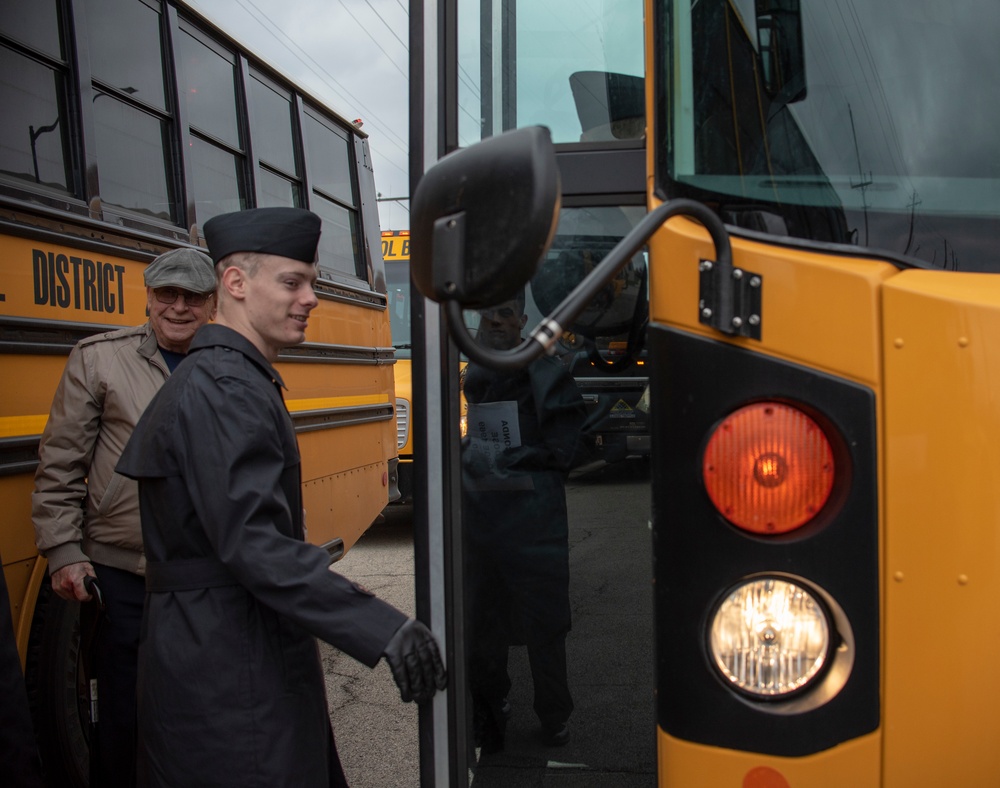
x,y
167,295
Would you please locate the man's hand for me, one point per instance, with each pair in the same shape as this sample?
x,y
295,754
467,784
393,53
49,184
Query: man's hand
x,y
416,664
67,581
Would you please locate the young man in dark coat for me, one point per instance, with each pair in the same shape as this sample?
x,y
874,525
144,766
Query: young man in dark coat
x,y
231,689
523,431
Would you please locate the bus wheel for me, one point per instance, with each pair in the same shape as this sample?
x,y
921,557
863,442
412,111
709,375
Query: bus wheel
x,y
57,690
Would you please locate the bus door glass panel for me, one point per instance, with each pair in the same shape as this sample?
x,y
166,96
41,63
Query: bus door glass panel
x,y
557,565
843,153
208,89
573,67
33,133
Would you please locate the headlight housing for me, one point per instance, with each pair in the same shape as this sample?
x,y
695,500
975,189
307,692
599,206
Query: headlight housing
x,y
771,637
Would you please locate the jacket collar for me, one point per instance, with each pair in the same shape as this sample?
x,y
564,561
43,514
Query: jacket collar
x,y
147,348
214,335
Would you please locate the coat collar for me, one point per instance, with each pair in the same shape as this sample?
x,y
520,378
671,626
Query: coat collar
x,y
147,347
214,335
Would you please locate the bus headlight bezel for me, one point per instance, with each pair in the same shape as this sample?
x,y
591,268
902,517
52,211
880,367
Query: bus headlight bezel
x,y
821,686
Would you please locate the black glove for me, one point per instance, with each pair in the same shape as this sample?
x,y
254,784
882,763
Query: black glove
x,y
416,665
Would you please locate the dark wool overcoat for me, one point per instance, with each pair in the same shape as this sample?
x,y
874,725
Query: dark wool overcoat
x,y
514,515
231,689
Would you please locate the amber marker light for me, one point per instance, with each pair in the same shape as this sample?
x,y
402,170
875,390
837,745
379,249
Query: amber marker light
x,y
768,468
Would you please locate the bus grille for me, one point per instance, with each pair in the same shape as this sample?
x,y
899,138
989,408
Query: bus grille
x,y
402,423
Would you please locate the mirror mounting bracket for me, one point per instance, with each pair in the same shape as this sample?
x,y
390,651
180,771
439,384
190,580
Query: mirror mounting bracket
x,y
729,299
449,257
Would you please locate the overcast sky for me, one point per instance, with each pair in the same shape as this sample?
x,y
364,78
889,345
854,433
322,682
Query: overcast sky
x,y
350,54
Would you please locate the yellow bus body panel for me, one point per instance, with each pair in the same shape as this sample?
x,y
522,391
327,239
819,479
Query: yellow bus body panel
x,y
925,343
942,547
854,764
839,294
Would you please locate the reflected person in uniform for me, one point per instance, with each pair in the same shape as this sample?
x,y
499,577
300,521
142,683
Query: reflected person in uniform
x,y
523,431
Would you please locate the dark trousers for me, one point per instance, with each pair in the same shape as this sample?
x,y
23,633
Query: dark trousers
x,y
115,663
490,681
20,764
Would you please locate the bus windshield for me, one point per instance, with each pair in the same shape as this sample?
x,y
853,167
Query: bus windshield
x,y
397,279
842,122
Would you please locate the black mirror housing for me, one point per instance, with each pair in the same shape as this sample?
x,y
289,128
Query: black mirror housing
x,y
483,217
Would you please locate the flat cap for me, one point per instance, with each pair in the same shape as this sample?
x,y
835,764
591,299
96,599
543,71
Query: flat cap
x,y
286,232
188,269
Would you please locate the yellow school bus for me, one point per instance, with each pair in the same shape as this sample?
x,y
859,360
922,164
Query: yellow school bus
x,y
396,255
111,159
823,296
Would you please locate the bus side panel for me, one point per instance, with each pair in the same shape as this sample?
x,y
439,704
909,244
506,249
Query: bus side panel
x,y
855,763
48,281
830,364
942,405
839,333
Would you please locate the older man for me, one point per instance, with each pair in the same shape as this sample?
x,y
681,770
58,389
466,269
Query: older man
x,y
86,516
231,688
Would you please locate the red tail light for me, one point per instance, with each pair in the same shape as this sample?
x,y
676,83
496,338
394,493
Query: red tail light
x,y
768,468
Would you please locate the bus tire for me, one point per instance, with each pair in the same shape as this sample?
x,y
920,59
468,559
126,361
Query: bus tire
x,y
57,690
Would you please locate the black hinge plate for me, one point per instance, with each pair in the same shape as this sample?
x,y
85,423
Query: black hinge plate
x,y
729,299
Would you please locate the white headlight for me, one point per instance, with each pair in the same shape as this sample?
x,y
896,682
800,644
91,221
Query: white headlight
x,y
770,637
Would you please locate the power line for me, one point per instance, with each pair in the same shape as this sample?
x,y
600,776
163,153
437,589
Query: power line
x,y
387,26
298,53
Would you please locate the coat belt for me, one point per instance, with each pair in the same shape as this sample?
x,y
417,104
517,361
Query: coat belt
x,y
187,574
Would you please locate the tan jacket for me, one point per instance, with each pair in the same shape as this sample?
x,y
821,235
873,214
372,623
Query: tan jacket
x,y
82,510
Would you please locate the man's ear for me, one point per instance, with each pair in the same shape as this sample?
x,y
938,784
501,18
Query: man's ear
x,y
234,282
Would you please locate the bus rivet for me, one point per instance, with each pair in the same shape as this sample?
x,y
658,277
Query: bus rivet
x,y
963,580
898,577
706,313
737,273
963,341
898,342
737,321
754,320
706,265
754,281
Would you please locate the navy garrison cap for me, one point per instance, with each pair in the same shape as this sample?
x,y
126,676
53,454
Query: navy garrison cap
x,y
286,232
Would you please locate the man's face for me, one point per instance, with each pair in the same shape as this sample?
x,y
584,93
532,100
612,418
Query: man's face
x,y
500,327
176,323
279,298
